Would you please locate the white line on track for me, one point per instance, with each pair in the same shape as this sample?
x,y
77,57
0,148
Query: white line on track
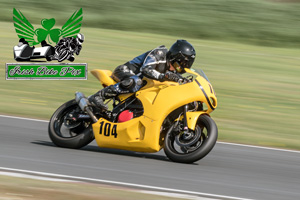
x,y
259,147
147,187
227,143
23,118
22,175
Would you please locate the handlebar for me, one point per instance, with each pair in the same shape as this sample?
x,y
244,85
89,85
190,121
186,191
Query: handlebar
x,y
185,80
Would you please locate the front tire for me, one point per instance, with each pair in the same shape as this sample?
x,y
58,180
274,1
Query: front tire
x,y
63,55
189,154
74,136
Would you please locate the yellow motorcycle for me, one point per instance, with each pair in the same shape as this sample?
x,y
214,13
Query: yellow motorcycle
x,y
161,115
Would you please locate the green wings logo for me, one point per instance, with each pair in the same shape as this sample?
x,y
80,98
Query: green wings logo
x,y
24,28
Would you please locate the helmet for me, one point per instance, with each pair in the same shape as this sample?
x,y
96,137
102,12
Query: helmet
x,y
80,38
181,55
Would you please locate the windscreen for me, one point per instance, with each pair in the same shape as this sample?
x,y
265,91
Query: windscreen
x,y
198,71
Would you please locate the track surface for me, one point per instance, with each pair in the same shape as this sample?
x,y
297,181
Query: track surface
x,y
230,170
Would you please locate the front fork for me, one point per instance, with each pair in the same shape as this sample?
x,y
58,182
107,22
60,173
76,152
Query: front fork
x,y
185,125
191,116
186,133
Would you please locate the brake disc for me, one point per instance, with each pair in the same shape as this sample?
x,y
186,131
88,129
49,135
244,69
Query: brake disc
x,y
188,138
69,123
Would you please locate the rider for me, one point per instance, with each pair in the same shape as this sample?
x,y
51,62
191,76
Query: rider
x,y
74,43
159,64
22,41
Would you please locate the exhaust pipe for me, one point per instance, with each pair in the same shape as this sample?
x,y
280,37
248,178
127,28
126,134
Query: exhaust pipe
x,y
84,105
81,100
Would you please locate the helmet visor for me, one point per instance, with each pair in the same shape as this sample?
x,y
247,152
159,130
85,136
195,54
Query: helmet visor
x,y
186,61
177,67
183,62
79,41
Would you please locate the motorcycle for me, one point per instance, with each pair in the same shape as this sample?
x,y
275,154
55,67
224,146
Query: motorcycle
x,y
24,52
161,115
65,52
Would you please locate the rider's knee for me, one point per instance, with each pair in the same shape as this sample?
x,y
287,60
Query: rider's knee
x,y
132,84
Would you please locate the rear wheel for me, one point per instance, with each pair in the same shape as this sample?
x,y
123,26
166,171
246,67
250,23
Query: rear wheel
x,y
64,132
191,146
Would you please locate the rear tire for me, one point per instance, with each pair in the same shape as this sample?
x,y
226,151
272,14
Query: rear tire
x,y
209,134
78,137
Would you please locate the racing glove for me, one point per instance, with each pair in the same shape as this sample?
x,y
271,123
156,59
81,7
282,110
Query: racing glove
x,y
172,76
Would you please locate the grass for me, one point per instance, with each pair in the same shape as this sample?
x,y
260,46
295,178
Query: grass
x,y
14,188
260,22
257,87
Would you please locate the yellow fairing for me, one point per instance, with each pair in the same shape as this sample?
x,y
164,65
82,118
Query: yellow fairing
x,y
103,76
192,118
139,134
159,99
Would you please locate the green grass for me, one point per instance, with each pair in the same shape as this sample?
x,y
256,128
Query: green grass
x,y
257,87
14,188
260,22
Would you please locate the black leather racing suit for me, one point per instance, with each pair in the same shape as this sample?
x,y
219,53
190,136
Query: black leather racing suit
x,y
152,64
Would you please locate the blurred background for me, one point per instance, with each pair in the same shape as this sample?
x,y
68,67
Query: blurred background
x,y
249,49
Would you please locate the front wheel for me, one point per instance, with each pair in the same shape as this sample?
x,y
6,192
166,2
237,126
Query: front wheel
x,y
64,132
63,55
193,146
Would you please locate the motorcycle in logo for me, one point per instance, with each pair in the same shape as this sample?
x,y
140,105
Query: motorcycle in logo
x,y
67,39
162,115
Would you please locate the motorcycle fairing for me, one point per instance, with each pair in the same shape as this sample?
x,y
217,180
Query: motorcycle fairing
x,y
134,135
104,76
159,99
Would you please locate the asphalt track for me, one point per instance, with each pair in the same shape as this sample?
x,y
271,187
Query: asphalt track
x,y
229,170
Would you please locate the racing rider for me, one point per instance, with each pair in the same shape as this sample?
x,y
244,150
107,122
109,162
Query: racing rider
x,y
159,64
73,43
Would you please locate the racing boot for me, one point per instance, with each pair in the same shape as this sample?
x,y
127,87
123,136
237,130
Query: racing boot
x,y
98,99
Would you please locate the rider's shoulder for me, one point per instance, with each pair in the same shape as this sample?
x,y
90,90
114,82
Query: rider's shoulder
x,y
160,51
162,47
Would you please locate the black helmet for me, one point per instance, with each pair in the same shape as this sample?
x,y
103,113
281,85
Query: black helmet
x,y
181,55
